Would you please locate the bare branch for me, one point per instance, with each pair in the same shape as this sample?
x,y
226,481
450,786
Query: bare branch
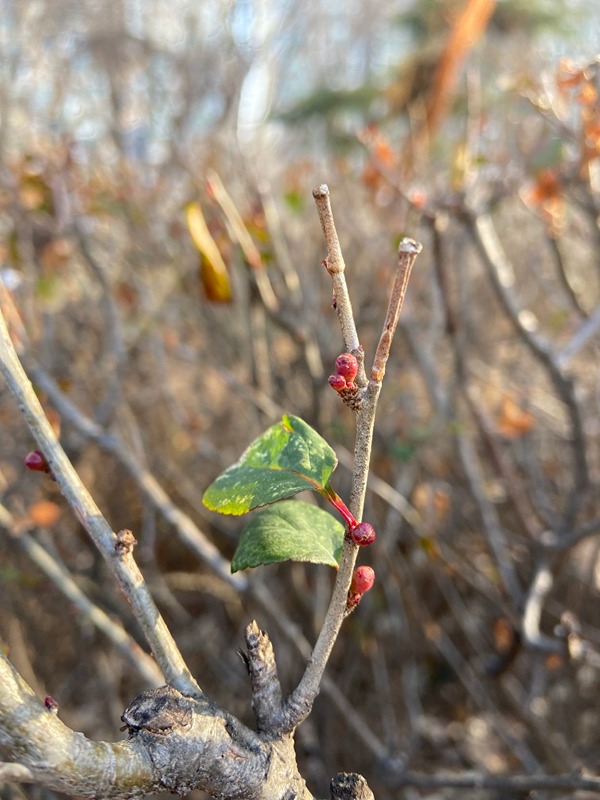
x,y
299,703
336,267
532,613
57,757
57,572
500,270
491,523
504,783
145,480
407,253
175,743
121,562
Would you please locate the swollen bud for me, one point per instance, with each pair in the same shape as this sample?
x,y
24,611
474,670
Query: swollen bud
x,y
337,382
36,461
362,534
362,580
51,704
346,365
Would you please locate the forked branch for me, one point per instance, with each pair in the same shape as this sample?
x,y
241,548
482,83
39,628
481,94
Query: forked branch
x,y
299,703
119,558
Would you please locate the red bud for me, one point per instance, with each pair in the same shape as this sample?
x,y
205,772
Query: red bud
x,y
363,534
36,461
362,580
346,365
337,382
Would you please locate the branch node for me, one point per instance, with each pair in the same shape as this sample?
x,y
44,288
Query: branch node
x,y
125,543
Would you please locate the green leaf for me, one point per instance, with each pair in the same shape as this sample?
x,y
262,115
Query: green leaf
x,y
290,531
288,458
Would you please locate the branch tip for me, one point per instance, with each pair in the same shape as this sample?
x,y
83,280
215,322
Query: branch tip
x,y
321,191
410,246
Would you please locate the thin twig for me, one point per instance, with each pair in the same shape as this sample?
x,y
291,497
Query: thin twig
x,y
539,590
491,522
114,357
365,420
551,541
60,576
192,536
336,267
580,338
353,719
152,490
563,277
121,562
483,232
516,784
407,253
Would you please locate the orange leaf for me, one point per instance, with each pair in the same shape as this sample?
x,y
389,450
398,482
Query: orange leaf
x,y
546,187
554,661
588,94
514,421
467,29
214,274
44,513
569,74
546,194
503,633
383,151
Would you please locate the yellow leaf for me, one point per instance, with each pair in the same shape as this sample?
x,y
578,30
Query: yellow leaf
x,y
239,232
216,189
44,513
214,274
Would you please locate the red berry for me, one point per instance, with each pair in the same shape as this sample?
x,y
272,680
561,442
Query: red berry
x,y
362,580
337,382
363,534
36,461
346,365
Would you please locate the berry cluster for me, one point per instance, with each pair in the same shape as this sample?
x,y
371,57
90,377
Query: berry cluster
x,y
346,369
